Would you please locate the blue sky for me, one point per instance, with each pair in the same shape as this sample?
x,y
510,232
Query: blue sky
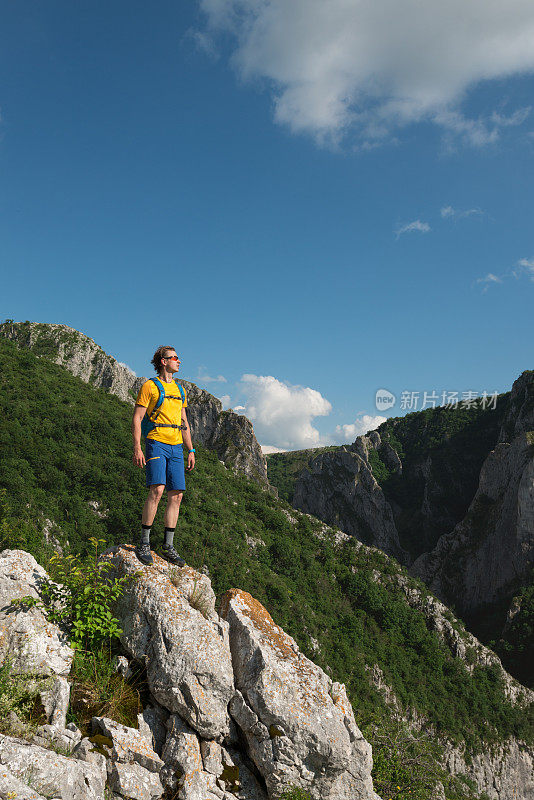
x,y
326,203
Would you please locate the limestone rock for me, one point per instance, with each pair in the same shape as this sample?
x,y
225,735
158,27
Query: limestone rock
x,y
33,644
187,654
503,772
11,788
134,782
339,488
154,719
85,750
55,702
299,726
184,771
51,774
128,744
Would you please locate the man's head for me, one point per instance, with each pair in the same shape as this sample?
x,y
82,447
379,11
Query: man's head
x,y
165,358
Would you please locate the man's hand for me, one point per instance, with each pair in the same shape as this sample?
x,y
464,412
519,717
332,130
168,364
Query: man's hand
x,y
139,457
190,462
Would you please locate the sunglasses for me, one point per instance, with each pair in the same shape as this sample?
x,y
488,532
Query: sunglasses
x,y
171,358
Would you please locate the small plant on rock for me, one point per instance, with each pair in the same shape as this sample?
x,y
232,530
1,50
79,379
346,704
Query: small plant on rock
x,y
20,708
295,793
199,598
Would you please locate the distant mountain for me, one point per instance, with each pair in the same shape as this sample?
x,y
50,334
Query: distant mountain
x,y
228,434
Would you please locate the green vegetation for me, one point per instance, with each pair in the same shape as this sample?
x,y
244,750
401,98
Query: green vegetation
x,y
66,444
19,694
295,793
406,764
81,595
516,646
98,690
283,469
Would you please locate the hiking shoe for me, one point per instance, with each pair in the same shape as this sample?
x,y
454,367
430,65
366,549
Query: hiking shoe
x,y
142,551
170,554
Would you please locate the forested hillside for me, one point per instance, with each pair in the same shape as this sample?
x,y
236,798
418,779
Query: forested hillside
x,y
67,471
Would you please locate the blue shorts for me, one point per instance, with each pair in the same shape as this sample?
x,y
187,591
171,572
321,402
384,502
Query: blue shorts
x,y
165,464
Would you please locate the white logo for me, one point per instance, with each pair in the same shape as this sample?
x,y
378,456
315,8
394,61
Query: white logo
x,y
384,399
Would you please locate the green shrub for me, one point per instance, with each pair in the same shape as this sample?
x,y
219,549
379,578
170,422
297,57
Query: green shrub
x,y
99,690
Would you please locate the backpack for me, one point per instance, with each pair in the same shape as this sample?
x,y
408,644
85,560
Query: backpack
x,y
148,423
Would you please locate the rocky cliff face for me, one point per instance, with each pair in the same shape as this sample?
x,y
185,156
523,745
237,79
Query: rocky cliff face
x,y
229,434
519,416
469,516
235,710
339,487
493,547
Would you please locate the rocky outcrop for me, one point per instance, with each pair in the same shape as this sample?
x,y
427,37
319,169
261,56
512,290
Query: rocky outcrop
x,y
246,706
34,645
229,434
50,774
235,709
493,547
504,772
75,351
519,417
185,649
339,488
298,724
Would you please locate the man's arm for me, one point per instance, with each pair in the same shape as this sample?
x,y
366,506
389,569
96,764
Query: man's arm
x,y
138,455
188,441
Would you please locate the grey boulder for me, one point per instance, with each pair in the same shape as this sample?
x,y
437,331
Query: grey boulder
x,y
298,724
169,624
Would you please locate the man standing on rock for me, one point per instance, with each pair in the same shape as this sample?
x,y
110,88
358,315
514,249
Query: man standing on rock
x,y
164,460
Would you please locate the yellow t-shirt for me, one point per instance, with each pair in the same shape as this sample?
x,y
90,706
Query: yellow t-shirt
x,y
169,412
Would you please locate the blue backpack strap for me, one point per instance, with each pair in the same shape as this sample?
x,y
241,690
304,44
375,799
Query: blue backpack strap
x,y
147,423
161,390
181,392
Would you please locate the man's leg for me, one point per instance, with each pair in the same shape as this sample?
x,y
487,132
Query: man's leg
x,y
174,498
151,503
149,512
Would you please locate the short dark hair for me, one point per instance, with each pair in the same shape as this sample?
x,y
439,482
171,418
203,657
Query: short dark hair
x,y
159,354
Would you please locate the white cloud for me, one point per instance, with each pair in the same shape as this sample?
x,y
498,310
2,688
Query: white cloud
x,y
282,414
226,401
266,449
345,434
203,377
372,68
448,212
525,266
411,227
488,279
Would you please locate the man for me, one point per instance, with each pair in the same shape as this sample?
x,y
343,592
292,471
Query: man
x,y
164,460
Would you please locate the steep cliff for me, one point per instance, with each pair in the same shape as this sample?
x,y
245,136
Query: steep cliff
x,y
492,548
339,487
229,434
